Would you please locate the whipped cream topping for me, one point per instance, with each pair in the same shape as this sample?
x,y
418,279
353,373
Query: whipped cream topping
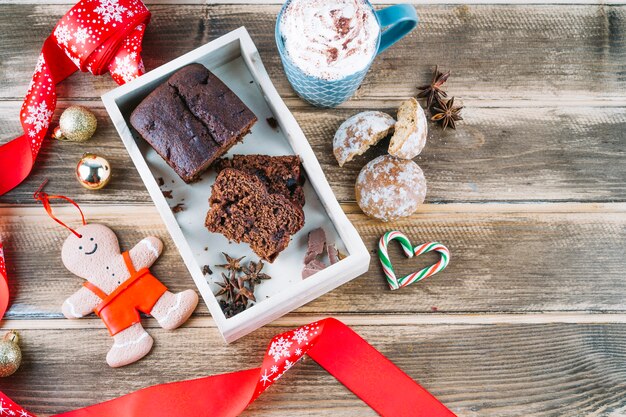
x,y
329,39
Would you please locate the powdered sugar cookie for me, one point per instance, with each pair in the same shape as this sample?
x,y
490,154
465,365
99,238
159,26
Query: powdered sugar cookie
x,y
359,132
389,188
411,130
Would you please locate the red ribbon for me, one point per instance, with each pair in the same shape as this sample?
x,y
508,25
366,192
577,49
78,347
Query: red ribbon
x,y
95,36
4,284
330,343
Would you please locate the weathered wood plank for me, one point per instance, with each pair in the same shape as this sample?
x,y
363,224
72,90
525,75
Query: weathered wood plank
x,y
497,154
501,262
494,51
505,370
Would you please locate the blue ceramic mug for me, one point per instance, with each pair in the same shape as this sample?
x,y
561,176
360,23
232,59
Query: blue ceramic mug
x,y
395,23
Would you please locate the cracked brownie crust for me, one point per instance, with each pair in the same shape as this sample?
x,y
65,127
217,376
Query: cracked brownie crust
x,y
191,120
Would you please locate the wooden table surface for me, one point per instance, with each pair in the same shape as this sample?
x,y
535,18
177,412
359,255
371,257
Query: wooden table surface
x,y
529,194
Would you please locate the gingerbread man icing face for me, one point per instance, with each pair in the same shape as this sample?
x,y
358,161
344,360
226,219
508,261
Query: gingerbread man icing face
x,y
119,286
83,256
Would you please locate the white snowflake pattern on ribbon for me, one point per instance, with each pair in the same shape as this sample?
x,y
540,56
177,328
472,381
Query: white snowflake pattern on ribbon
x,y
300,335
75,60
41,61
278,348
39,117
63,34
110,10
286,350
266,378
80,36
125,68
8,410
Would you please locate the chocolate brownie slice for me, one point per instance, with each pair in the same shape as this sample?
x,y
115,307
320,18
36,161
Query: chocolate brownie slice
x,y
243,210
280,174
191,120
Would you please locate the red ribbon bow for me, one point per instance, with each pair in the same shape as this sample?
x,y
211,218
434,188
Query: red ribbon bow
x,y
95,36
330,343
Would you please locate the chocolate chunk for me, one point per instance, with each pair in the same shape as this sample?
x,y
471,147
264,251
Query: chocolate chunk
x,y
312,268
316,243
272,122
333,253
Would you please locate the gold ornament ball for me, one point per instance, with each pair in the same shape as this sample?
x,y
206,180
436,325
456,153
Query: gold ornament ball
x,y
77,124
10,354
93,171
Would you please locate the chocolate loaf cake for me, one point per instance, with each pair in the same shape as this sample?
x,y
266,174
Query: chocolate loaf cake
x,y
280,174
191,120
243,210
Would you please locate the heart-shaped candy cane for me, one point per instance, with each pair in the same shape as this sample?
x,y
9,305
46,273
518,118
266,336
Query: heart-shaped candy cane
x,y
410,251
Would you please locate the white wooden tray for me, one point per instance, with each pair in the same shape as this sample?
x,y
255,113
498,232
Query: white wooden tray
x,y
236,61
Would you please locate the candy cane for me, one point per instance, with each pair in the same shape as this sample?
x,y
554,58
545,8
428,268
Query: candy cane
x,y
410,251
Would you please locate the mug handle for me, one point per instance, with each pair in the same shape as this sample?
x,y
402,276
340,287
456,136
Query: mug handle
x,y
396,22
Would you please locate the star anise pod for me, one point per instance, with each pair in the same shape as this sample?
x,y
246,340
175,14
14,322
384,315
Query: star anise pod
x,y
253,274
244,295
446,113
231,264
433,91
228,286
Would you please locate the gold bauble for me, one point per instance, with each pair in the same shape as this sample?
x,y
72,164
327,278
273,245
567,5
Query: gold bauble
x,y
77,124
10,354
93,171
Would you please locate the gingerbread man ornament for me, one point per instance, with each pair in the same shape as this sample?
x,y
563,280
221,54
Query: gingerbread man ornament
x,y
118,287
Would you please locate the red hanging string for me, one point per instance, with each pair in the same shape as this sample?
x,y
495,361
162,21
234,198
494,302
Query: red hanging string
x,y
45,200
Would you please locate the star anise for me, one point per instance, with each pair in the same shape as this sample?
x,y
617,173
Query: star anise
x,y
228,286
433,91
232,264
244,295
253,274
446,113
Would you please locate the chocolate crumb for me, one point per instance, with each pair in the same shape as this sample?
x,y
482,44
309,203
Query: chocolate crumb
x,y
160,181
272,122
206,248
178,208
206,270
252,82
433,308
167,193
172,181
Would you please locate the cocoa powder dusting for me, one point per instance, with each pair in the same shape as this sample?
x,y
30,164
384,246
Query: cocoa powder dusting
x,y
333,53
